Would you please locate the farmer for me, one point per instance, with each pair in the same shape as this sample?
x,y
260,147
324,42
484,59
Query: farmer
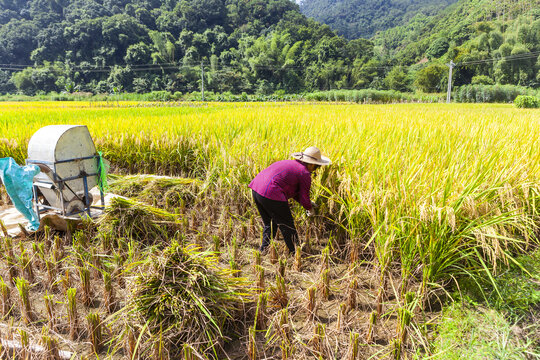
x,y
281,181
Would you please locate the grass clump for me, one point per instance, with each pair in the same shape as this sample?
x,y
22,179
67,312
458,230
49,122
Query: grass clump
x,y
467,332
131,219
496,318
187,297
515,290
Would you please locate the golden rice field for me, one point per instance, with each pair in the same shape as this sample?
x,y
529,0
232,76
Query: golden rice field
x,y
418,197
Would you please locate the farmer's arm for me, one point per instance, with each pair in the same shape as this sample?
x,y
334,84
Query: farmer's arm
x,y
304,186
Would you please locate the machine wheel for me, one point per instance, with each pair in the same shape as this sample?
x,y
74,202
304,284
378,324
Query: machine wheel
x,y
74,207
83,198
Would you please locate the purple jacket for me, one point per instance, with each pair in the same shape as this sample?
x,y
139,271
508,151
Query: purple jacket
x,y
283,180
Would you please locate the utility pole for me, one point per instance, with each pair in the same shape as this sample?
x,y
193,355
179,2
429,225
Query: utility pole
x,y
202,81
450,68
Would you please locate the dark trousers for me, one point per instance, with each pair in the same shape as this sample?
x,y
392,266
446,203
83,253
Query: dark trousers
x,y
276,214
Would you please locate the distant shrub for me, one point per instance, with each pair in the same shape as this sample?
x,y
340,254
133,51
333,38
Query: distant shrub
x,y
482,80
158,96
527,102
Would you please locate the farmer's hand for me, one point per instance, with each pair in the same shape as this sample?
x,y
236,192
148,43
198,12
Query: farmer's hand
x,y
309,213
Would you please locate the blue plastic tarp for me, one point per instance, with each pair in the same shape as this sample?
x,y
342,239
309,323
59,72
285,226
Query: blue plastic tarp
x,y
18,182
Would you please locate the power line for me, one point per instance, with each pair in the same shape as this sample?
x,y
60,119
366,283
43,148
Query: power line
x,y
521,56
178,66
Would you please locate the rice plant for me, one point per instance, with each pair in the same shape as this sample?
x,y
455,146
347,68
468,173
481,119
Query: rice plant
x,y
298,259
217,244
47,241
324,284
10,259
51,274
351,294
23,288
159,348
84,276
341,317
38,255
257,258
25,342
95,331
131,345
26,265
284,327
252,345
354,348
405,314
65,280
317,342
6,298
96,263
274,257
109,299
259,270
188,353
371,327
261,314
51,312
287,350
50,344
311,302
72,314
279,293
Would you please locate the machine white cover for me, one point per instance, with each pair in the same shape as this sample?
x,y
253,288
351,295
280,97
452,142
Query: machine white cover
x,y
62,142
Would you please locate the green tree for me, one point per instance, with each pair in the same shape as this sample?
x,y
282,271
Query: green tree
x,y
51,44
438,48
138,54
198,15
84,39
431,78
363,73
43,78
397,79
122,31
23,81
121,78
482,80
523,67
18,39
163,43
273,59
6,85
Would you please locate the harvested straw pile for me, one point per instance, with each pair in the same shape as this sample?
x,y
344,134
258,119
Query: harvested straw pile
x,y
186,299
126,218
164,192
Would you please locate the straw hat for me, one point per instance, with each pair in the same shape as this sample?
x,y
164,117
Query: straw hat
x,y
312,155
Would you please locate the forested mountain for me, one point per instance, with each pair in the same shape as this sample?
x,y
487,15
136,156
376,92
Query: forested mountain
x,y
491,41
144,45
363,18
257,47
